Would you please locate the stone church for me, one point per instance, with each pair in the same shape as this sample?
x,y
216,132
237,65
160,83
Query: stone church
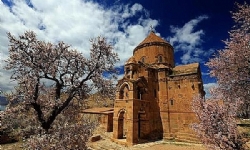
x,y
153,100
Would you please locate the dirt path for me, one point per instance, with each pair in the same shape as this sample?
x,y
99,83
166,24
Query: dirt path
x,y
175,147
106,144
159,145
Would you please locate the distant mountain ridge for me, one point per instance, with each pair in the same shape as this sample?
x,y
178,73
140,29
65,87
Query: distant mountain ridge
x,y
3,100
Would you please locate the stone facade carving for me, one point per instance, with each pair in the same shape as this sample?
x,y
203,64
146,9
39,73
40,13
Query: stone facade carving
x,y
153,99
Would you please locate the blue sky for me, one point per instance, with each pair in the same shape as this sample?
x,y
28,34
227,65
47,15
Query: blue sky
x,y
195,28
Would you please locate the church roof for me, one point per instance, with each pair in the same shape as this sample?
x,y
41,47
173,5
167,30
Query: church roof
x,y
131,60
102,110
186,69
151,39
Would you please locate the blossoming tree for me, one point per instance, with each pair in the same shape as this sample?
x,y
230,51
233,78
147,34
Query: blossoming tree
x,y
51,76
217,127
231,67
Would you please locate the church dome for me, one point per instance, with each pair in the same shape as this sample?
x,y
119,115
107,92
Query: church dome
x,y
151,39
154,50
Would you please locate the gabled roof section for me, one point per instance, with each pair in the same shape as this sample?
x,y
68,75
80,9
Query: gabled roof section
x,y
152,39
102,110
185,69
131,60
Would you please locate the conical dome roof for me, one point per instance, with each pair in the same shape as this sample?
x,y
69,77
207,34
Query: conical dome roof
x,y
151,39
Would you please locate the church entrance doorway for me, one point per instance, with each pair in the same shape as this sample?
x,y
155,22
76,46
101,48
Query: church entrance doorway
x,y
122,126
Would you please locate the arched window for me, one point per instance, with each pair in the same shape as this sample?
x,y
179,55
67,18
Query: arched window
x,y
139,93
123,94
127,70
172,102
159,58
155,93
143,59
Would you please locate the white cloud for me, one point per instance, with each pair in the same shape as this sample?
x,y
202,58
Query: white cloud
x,y
187,40
74,22
207,88
129,11
135,8
186,34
